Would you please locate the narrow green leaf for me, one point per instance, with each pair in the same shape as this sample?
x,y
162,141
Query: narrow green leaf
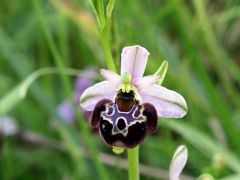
x,y
109,10
162,71
94,11
9,100
19,92
101,12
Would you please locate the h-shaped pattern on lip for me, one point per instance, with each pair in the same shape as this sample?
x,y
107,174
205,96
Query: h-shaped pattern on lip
x,y
125,119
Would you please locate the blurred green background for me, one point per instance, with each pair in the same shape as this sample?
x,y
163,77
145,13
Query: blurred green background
x,y
200,40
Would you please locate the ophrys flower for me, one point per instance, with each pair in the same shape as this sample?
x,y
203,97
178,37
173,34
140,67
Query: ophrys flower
x,y
126,107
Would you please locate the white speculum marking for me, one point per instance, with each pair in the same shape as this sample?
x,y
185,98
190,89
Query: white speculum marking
x,y
116,115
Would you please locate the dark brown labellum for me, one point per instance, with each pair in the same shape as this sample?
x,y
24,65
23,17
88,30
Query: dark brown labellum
x,y
124,123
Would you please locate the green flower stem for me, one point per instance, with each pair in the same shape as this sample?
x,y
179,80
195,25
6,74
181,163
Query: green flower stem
x,y
133,157
67,86
108,53
133,163
99,14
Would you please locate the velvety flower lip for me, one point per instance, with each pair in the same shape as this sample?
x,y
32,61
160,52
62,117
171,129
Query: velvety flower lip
x,y
168,103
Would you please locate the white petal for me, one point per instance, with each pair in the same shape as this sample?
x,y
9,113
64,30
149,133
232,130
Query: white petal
x,y
168,103
92,95
111,76
178,162
134,60
142,83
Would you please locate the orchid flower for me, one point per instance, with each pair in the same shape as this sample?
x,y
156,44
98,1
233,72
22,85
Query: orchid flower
x,y
126,107
178,162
